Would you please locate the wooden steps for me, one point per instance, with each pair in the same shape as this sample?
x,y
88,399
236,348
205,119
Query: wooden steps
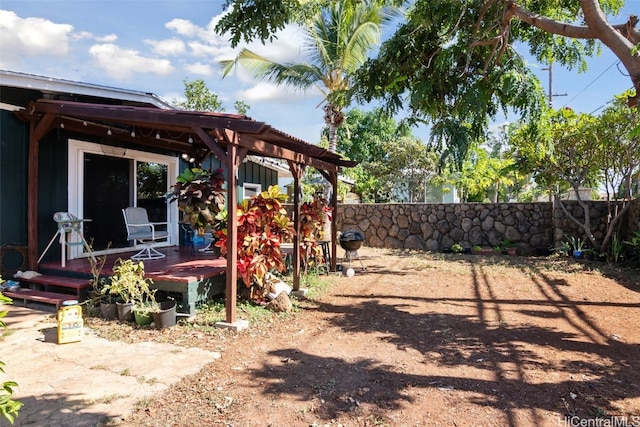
x,y
40,296
60,284
51,290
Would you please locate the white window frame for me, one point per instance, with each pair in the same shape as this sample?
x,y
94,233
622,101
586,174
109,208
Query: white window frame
x,y
255,188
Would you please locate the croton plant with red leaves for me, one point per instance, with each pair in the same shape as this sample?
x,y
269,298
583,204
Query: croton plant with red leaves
x,y
312,217
263,225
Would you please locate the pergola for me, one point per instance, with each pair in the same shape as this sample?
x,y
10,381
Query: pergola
x,y
229,137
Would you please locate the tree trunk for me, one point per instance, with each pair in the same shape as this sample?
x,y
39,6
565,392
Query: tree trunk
x,y
333,118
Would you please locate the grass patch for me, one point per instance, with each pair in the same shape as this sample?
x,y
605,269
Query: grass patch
x,y
315,283
106,399
99,368
143,380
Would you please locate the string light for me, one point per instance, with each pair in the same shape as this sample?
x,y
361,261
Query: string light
x,y
185,156
84,123
190,140
109,131
133,133
158,135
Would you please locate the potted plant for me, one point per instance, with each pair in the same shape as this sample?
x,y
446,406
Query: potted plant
x,y
200,197
99,295
479,250
130,286
509,247
576,245
143,312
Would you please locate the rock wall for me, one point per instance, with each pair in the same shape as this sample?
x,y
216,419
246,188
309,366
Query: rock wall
x,y
532,227
598,214
439,226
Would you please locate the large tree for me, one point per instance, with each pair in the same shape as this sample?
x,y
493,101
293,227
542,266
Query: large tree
x,y
453,62
338,39
577,150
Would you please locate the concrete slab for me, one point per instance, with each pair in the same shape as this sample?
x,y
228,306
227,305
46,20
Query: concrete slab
x,y
89,382
236,326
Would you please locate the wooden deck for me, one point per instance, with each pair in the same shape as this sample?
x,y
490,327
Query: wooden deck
x,y
189,277
179,265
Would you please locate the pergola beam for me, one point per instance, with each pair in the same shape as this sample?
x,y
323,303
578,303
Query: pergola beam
x,y
229,137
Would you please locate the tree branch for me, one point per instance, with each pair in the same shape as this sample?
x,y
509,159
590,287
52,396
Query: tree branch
x,y
512,9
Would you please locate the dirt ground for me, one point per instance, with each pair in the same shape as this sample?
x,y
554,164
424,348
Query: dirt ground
x,y
424,339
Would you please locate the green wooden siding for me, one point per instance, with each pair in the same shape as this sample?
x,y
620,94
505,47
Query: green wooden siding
x,y
248,172
13,179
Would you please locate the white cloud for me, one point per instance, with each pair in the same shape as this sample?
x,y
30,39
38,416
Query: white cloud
x,y
182,27
121,63
265,91
200,69
22,37
214,52
82,35
167,47
109,38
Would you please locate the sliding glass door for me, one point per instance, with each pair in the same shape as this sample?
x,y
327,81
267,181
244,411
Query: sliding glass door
x,y
102,182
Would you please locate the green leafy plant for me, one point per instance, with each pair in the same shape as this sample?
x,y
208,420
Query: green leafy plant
x,y
576,243
507,244
97,281
263,225
8,407
617,248
200,197
457,248
129,284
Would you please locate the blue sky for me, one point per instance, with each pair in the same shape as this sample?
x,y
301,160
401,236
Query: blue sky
x,y
153,45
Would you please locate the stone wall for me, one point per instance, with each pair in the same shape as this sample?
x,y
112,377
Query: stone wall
x,y
438,226
435,227
599,212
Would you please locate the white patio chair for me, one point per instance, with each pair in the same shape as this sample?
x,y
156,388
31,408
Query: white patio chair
x,y
141,230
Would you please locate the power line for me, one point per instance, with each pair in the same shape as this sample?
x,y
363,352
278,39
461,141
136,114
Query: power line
x,y
592,82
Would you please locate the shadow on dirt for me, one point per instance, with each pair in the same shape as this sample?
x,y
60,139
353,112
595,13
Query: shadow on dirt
x,y
56,410
607,371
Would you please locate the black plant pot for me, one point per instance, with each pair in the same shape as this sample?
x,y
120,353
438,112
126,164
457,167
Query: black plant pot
x,y
125,311
166,316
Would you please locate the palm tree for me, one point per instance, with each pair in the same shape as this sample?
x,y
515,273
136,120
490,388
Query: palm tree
x,y
337,41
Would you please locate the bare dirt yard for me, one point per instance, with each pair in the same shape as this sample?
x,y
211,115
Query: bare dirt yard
x,y
422,339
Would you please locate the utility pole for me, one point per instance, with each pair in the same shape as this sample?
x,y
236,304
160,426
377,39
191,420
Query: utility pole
x,y
551,94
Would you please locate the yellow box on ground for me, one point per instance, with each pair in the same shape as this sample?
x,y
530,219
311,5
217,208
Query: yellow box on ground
x,y
70,324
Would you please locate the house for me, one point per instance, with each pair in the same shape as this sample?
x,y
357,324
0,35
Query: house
x,y
91,177
92,150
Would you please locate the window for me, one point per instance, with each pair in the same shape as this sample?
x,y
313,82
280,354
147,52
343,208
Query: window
x,y
249,190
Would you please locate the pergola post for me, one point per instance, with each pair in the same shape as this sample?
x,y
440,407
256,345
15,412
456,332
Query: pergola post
x,y
296,171
36,131
332,177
